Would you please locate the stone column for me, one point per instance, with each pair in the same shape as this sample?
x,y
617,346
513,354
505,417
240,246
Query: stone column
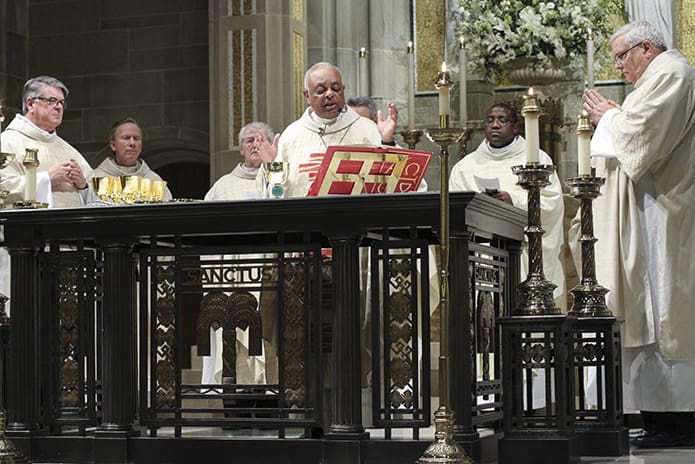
x,y
257,65
118,340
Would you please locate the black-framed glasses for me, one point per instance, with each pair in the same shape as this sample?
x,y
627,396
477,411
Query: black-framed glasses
x,y
620,57
502,120
53,101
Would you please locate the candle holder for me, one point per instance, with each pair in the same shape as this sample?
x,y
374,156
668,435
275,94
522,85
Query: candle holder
x,y
411,137
444,449
536,292
31,160
589,296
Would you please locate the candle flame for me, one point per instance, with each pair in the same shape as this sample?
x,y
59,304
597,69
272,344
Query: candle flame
x,y
410,46
591,35
585,114
530,91
460,41
443,66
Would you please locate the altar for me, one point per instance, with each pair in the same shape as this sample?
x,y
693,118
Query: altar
x,y
109,303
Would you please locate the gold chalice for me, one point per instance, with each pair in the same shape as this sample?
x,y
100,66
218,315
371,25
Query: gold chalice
x,y
158,189
131,189
101,188
276,175
145,190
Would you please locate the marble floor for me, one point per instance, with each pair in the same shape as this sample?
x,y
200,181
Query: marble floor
x,y
661,456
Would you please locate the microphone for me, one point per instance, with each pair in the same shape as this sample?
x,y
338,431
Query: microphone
x,y
322,130
344,110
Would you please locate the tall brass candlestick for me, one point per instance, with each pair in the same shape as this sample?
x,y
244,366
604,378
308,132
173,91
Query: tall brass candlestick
x,y
536,292
444,449
589,296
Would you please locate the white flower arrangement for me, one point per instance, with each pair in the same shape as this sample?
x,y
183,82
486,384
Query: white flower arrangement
x,y
543,34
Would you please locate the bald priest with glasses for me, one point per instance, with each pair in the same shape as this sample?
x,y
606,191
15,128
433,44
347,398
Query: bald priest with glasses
x,y
62,173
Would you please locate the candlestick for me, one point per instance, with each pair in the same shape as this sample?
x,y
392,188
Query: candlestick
x,y
590,59
531,110
411,86
583,144
364,74
2,119
463,85
443,85
30,162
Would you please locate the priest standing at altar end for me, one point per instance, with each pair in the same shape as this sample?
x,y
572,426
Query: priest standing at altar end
x,y
644,222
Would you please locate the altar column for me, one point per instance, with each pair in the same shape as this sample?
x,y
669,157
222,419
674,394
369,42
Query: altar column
x,y
118,340
24,375
346,410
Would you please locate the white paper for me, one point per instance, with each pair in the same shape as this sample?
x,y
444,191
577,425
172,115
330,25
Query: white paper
x,y
487,184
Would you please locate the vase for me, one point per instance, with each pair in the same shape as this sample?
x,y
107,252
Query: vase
x,y
525,72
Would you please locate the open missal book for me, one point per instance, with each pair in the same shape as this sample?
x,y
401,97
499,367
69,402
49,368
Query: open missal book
x,y
354,170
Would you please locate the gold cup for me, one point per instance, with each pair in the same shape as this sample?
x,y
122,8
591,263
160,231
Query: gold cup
x,y
158,189
101,188
131,189
145,190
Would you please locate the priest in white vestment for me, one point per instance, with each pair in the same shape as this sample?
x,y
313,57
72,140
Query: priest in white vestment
x,y
61,177
125,141
494,159
644,222
240,184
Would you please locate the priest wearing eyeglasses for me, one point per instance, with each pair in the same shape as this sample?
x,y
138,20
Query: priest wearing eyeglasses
x,y
644,222
62,172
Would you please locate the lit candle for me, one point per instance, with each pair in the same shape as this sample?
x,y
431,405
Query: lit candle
x,y
443,85
411,86
583,144
364,75
590,60
531,110
31,162
463,90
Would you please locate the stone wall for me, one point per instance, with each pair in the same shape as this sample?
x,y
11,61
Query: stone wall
x,y
147,59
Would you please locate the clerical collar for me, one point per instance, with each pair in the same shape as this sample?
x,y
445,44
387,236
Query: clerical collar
x,y
129,169
502,150
248,169
323,121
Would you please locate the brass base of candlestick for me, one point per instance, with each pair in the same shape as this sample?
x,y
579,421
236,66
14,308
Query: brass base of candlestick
x,y
536,292
444,449
29,205
8,452
589,296
411,137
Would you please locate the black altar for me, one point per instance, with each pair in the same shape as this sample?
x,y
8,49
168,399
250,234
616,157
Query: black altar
x,y
107,302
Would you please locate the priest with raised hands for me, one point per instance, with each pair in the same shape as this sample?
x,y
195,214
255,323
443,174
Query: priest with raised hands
x,y
644,222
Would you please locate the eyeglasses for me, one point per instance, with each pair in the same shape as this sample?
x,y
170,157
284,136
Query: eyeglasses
x,y
502,120
52,101
620,57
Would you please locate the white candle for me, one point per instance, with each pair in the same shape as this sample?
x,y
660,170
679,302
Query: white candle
x,y
364,73
30,183
590,60
531,110
411,86
463,90
444,93
583,145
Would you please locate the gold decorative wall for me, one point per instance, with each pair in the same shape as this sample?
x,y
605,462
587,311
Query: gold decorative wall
x,y
299,69
430,27
242,45
685,28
